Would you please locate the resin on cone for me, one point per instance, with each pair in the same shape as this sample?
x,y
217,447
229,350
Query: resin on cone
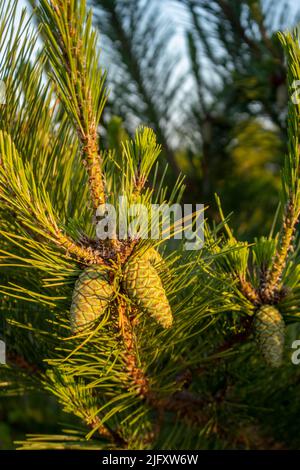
x,y
143,285
91,296
269,329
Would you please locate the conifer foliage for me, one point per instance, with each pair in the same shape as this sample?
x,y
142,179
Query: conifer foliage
x,y
123,332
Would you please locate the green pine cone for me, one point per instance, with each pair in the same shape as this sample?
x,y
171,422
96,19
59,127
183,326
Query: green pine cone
x,y
91,296
269,328
143,285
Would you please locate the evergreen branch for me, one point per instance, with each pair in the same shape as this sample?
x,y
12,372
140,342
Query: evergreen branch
x,y
70,45
136,374
184,404
290,176
81,401
33,209
124,371
188,376
236,260
72,440
94,422
86,254
236,338
140,156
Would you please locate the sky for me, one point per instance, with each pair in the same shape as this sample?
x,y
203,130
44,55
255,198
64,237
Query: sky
x,y
21,4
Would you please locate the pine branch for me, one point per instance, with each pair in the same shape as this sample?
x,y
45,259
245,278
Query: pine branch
x,y
136,374
187,407
290,176
86,254
236,261
32,209
124,371
79,80
271,283
94,422
81,401
248,290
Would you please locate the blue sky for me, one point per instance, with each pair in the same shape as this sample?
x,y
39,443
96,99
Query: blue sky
x,y
21,3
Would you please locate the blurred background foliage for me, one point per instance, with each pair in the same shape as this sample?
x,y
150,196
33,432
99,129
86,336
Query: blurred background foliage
x,y
36,412
209,77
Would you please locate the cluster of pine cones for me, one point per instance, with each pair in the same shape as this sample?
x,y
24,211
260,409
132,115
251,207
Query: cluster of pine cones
x,y
141,282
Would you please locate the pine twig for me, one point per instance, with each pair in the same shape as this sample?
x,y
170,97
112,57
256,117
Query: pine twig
x,y
273,276
84,254
91,159
104,430
249,291
86,122
136,374
290,180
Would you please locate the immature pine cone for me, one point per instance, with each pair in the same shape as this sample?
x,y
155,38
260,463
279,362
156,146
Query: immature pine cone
x,y
269,328
91,296
143,285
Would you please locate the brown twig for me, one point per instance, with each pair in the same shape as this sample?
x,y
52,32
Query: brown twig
x,y
135,372
237,337
91,159
188,407
82,251
249,291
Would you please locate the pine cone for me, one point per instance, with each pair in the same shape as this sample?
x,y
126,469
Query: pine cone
x,y
91,296
156,260
153,257
143,285
269,329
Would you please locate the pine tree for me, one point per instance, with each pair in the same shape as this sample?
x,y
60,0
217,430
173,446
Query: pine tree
x,y
218,106
142,346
